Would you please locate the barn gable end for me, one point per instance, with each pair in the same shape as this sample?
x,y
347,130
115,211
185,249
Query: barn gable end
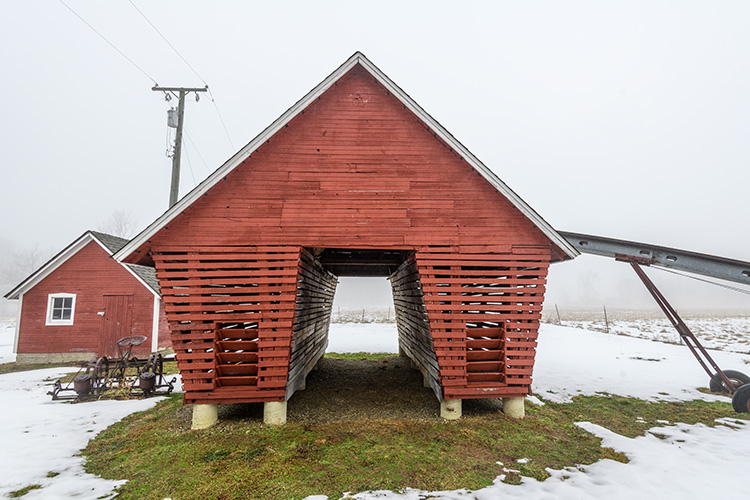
x,y
357,181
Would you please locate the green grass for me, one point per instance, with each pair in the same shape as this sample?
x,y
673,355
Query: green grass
x,y
360,355
16,367
23,491
241,458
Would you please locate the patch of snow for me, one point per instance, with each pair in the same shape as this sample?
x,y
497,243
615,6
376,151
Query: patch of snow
x,y
40,436
7,337
362,337
572,362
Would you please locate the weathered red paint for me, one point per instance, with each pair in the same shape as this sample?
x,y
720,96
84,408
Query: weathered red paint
x,y
93,276
359,170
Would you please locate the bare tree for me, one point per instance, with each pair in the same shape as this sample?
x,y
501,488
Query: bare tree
x,y
121,223
19,265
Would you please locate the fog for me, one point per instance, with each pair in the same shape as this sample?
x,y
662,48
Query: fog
x,y
625,119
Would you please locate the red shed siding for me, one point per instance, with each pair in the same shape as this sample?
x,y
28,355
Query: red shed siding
x,y
356,169
90,274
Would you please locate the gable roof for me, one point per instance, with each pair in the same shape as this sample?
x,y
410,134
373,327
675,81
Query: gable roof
x,y
111,244
356,59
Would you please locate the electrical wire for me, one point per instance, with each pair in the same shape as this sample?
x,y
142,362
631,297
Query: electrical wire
x,y
190,164
192,143
110,43
220,118
213,99
729,287
167,42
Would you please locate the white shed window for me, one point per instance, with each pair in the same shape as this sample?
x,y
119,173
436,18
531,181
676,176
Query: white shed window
x,y
61,308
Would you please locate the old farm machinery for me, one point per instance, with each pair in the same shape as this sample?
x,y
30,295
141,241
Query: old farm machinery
x,y
640,255
119,378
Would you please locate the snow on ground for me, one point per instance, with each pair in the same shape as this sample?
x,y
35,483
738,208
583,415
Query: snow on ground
x,y
362,337
39,436
572,361
726,330
7,336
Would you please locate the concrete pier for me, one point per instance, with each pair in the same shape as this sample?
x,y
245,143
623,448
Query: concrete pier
x,y
274,412
204,416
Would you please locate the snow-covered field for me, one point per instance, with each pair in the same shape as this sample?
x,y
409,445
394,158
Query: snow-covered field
x,y
40,437
726,330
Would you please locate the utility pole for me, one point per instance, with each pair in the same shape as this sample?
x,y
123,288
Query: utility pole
x,y
180,93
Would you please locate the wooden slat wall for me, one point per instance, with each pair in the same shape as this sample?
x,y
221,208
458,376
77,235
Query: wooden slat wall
x,y
468,291
411,319
231,312
313,316
356,169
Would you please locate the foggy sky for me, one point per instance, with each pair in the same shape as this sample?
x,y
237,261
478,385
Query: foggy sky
x,y
622,119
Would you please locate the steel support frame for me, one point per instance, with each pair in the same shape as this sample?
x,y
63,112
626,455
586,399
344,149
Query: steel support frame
x,y
687,336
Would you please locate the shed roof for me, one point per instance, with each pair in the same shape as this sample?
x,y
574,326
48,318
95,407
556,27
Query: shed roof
x,y
141,240
108,242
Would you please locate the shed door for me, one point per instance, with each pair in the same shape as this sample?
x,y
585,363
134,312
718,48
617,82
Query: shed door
x,y
118,312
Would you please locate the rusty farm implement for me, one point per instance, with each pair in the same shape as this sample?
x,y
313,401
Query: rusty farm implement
x,y
122,377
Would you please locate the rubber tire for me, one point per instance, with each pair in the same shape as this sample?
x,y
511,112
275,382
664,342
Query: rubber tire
x,y
741,399
718,385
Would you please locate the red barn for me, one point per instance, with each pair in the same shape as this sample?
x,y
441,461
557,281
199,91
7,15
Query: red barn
x,y
355,179
77,305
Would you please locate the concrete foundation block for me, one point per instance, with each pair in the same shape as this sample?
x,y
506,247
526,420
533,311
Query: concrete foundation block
x,y
514,407
450,409
204,416
274,412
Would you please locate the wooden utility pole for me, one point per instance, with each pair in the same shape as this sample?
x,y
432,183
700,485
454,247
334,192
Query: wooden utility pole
x,y
180,93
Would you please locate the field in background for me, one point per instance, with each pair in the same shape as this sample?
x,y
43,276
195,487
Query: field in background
x,y
382,315
728,330
719,329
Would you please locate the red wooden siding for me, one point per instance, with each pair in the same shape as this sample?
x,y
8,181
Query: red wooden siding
x,y
90,274
466,293
231,313
356,169
248,303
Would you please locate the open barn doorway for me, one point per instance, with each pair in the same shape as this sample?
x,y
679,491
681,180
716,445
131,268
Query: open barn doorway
x,y
361,372
363,313
363,317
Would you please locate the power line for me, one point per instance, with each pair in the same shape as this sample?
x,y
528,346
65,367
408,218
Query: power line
x,y
213,100
110,43
221,119
167,42
192,143
190,165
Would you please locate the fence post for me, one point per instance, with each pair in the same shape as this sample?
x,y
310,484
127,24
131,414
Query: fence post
x,y
606,321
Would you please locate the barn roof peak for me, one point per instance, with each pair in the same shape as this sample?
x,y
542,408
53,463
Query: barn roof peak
x,y
109,244
358,58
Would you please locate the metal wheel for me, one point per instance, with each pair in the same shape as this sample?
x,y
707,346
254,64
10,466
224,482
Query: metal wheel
x,y
741,399
738,379
100,374
133,340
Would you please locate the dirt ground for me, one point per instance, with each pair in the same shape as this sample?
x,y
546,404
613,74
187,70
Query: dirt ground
x,y
348,390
